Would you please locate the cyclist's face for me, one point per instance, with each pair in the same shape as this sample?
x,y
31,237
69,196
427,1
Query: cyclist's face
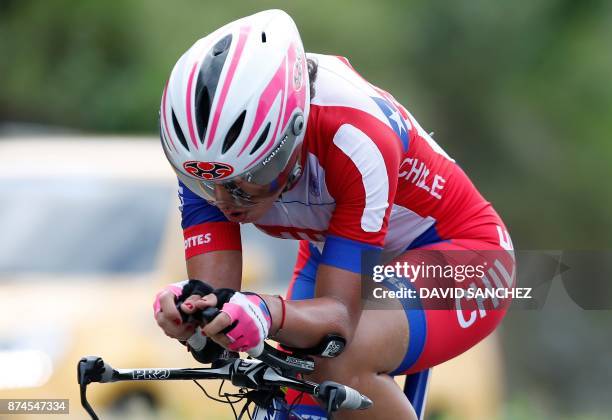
x,y
261,200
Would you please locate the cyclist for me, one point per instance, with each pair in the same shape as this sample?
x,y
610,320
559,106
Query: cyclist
x,y
303,147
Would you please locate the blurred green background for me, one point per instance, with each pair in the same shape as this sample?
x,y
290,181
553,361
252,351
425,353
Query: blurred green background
x,y
519,93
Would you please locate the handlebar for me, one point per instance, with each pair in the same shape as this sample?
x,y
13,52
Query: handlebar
x,y
245,373
268,370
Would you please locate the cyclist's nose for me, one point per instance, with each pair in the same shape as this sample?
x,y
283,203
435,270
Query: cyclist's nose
x,y
224,200
222,194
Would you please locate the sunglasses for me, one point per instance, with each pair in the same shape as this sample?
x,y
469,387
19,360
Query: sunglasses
x,y
278,170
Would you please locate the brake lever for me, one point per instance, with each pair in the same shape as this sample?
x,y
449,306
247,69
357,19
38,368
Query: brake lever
x,y
91,369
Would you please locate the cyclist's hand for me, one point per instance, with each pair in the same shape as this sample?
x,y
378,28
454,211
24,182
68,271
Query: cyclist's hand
x,y
196,303
214,329
249,319
168,317
166,314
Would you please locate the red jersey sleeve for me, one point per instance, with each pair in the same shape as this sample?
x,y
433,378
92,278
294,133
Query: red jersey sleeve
x,y
361,174
205,228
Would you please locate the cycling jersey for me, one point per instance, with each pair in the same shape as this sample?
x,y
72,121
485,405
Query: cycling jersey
x,y
372,179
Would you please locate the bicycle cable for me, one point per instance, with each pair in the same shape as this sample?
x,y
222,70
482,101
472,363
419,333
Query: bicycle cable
x,y
244,395
227,396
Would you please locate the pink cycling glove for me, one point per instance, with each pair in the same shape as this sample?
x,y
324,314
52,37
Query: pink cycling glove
x,y
253,318
175,288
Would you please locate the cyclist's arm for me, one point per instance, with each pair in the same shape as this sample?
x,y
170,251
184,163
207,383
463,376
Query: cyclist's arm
x,y
335,309
361,174
212,243
217,268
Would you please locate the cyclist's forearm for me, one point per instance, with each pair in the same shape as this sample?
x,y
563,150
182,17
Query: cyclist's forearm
x,y
336,308
308,321
217,268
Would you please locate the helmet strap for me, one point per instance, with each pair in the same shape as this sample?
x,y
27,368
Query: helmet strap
x,y
295,174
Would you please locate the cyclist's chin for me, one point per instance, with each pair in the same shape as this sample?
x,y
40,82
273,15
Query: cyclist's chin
x,y
242,217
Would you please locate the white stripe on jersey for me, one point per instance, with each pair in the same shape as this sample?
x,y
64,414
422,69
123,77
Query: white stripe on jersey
x,y
366,156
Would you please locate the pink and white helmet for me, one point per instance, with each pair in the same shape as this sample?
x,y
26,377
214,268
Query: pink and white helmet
x,y
236,105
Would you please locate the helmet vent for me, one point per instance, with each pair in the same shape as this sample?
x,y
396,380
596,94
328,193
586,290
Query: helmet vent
x,y
179,132
262,138
222,45
263,37
233,132
206,85
202,109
